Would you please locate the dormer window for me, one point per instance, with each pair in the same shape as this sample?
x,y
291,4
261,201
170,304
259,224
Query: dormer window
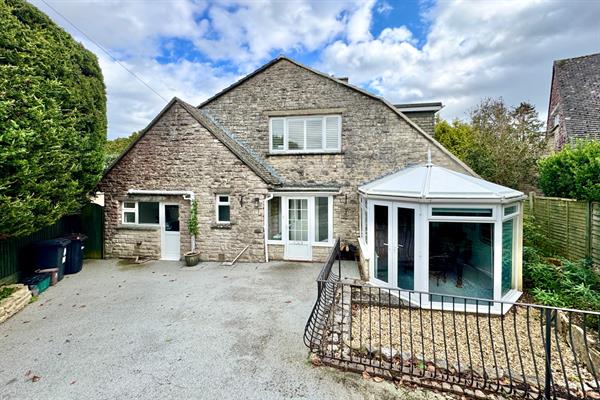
x,y
307,134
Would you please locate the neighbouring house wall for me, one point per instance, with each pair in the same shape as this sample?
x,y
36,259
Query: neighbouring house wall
x,y
177,153
559,133
375,140
425,119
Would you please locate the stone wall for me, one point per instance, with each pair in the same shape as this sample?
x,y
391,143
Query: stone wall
x,y
375,140
425,120
319,253
177,153
15,302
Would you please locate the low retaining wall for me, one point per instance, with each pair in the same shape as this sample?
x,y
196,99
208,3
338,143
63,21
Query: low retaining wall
x,y
15,302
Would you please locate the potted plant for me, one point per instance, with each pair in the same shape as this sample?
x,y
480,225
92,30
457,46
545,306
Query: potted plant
x,y
193,257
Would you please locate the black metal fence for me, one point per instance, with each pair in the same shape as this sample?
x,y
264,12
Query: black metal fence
x,y
523,350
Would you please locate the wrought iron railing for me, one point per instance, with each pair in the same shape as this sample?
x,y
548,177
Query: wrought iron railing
x,y
527,350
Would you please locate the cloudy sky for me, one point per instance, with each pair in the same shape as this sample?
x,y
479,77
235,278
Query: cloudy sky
x,y
456,52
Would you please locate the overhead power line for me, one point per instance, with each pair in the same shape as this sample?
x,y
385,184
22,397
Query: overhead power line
x,y
104,50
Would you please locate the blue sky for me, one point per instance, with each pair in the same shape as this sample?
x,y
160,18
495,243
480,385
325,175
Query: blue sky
x,y
457,52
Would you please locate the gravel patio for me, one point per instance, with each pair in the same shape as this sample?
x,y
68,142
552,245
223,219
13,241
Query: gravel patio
x,y
160,330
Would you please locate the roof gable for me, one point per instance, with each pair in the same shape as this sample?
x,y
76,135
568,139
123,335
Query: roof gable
x,y
344,83
245,154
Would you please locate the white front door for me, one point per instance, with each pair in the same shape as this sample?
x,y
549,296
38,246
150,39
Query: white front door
x,y
297,246
170,236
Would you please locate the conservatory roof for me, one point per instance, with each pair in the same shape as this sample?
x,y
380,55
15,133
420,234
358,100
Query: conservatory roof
x,y
431,182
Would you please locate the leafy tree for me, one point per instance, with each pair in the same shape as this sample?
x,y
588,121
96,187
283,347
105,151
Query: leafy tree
x,y
501,144
52,120
457,137
573,172
114,148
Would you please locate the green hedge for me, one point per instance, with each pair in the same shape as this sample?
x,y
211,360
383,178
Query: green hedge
x,y
52,120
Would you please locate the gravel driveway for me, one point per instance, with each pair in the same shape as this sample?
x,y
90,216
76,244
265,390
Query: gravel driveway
x,y
163,331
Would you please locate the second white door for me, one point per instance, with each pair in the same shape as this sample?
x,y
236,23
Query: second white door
x,y
298,245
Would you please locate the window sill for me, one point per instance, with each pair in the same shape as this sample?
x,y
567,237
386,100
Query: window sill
x,y
137,227
221,226
306,153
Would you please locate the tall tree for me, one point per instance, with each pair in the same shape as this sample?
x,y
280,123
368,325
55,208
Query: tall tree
x,y
52,120
115,147
500,143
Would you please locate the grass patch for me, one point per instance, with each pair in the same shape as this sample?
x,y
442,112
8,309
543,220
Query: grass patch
x,y
5,292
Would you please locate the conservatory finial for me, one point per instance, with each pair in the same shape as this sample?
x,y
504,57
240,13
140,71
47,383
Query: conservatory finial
x,y
429,164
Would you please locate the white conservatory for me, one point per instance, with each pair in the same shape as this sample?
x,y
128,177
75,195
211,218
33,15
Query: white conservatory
x,y
430,229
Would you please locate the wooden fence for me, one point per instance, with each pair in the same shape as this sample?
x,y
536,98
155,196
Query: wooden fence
x,y
572,227
16,254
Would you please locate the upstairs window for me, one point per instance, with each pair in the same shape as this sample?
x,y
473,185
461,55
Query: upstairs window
x,y
310,134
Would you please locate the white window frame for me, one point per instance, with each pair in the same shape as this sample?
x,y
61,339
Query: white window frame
x,y
136,211
304,118
219,203
458,218
312,220
280,240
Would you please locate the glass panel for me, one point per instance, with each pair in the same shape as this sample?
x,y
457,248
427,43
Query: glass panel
x,y
461,212
148,213
321,219
223,199
224,213
461,259
130,217
277,133
314,134
406,248
172,218
510,210
296,134
128,205
507,255
381,243
298,220
274,218
332,133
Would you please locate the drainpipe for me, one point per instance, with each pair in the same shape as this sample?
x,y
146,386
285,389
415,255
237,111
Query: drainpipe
x,y
265,227
187,195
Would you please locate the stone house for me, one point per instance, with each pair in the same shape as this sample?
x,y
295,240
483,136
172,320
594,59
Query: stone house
x,y
274,162
573,109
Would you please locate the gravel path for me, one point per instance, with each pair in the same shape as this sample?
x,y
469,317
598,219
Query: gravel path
x,y
462,343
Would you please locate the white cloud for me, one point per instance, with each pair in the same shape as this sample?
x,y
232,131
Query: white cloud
x,y
473,50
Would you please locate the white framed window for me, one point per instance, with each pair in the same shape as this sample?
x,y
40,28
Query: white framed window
x,y
140,213
461,213
223,209
320,219
511,210
274,219
309,134
363,219
323,228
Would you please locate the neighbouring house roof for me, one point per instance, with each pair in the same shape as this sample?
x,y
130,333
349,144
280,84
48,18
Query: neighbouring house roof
x,y
432,182
420,107
343,82
578,81
237,147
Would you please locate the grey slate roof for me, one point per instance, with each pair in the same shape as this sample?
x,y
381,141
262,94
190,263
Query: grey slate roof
x,y
578,81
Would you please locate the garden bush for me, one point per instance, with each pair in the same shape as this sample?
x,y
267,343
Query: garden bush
x,y
555,281
573,172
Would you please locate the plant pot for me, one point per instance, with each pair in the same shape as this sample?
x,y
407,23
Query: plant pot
x,y
192,258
